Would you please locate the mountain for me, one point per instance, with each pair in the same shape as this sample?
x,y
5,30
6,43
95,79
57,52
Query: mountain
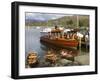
x,y
65,21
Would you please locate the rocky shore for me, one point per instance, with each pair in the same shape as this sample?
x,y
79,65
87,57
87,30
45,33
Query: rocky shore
x,y
62,61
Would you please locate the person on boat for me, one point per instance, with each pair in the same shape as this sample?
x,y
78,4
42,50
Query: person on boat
x,y
74,36
71,35
32,59
68,36
56,27
49,35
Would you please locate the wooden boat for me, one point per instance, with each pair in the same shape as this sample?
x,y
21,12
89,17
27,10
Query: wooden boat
x,y
68,53
51,57
55,37
60,42
32,59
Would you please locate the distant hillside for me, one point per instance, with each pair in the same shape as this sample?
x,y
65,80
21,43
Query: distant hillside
x,y
66,21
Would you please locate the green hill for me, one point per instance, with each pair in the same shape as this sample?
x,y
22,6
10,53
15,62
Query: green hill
x,y
66,21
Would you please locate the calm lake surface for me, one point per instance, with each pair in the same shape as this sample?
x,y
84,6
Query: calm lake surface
x,y
32,43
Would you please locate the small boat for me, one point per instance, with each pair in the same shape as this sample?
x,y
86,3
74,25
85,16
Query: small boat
x,y
37,27
51,57
55,37
46,30
32,59
66,54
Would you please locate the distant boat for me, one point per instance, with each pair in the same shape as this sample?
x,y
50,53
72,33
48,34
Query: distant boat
x,y
46,30
37,27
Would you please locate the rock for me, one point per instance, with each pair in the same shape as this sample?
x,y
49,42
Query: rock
x,y
65,61
47,64
43,63
82,59
57,64
75,63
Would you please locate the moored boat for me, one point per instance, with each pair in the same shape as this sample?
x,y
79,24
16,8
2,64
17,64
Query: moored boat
x,y
56,37
60,42
32,59
51,57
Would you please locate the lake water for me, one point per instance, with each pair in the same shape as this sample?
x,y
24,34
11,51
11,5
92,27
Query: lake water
x,y
32,43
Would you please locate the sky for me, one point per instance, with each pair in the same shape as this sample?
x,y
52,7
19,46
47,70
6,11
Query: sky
x,y
42,16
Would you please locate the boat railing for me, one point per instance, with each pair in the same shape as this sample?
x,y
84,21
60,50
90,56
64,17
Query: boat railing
x,y
60,36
